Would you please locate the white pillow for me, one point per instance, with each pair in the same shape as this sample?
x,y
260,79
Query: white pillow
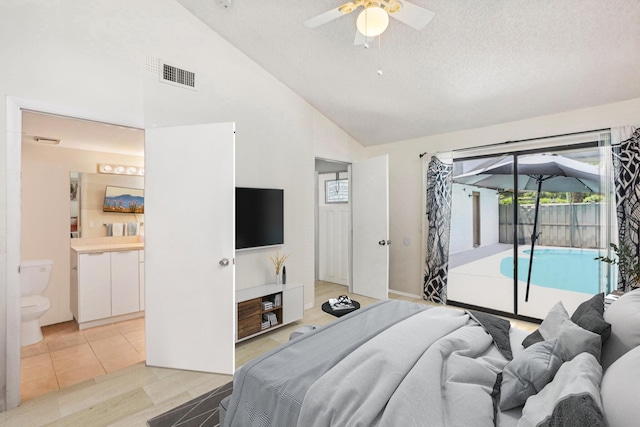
x,y
624,317
620,390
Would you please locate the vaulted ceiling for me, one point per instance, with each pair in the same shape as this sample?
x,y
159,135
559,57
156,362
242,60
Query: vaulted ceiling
x,y
477,63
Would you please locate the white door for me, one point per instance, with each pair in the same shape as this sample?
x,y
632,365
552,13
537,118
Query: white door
x,y
370,216
189,247
333,236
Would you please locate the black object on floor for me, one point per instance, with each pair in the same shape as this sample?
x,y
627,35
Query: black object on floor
x,y
201,411
326,307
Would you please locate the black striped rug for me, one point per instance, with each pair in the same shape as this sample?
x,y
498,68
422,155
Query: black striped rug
x,y
201,411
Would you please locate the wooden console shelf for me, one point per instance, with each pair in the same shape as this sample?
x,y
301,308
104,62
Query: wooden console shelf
x,y
267,307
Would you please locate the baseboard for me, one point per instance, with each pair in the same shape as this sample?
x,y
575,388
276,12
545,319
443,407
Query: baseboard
x,y
405,294
308,306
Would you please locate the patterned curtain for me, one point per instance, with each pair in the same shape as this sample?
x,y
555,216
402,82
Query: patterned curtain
x,y
439,181
626,164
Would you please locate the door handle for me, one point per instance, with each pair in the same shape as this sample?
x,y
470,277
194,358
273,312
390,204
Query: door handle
x,y
224,262
382,242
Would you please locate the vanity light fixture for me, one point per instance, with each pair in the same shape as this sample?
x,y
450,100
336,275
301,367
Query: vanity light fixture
x,y
120,169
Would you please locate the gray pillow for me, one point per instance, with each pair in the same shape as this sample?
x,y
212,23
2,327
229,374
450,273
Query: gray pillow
x,y
620,390
529,372
571,399
573,339
589,316
624,317
532,338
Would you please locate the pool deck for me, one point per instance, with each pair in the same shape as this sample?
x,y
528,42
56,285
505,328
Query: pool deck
x,y
476,280
465,257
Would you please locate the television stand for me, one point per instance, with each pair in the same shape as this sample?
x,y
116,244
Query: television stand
x,y
268,307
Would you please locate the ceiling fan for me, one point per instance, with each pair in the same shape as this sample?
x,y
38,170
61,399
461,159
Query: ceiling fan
x,y
374,18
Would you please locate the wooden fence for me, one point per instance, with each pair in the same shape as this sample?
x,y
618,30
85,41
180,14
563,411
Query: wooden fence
x,y
569,225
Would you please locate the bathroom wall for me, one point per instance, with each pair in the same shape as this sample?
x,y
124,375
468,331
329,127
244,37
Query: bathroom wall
x,y
46,212
92,189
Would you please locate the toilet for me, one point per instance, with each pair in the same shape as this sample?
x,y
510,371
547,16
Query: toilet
x,y
34,279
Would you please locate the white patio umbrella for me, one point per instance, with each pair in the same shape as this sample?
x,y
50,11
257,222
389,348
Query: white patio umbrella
x,y
536,172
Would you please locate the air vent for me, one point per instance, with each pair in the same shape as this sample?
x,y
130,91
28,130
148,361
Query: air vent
x,y
177,76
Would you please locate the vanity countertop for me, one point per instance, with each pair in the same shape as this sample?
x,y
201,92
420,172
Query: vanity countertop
x,y
107,247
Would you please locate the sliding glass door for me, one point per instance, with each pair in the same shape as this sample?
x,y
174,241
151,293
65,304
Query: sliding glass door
x,y
560,265
526,228
479,245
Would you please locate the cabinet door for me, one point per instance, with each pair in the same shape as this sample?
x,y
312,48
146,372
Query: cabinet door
x,y
125,291
94,286
292,304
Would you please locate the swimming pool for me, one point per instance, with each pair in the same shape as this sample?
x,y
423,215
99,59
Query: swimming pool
x,y
568,269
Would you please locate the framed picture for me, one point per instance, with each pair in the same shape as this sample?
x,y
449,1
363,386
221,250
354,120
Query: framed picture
x,y
123,200
336,191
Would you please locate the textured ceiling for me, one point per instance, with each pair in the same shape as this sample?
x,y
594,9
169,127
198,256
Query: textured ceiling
x,y
476,64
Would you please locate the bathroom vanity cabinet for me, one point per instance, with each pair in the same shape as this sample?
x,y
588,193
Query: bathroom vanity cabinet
x,y
106,285
255,305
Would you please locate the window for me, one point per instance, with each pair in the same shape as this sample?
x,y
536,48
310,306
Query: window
x,y
336,191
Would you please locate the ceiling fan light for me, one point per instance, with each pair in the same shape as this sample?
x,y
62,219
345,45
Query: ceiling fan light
x,y
372,21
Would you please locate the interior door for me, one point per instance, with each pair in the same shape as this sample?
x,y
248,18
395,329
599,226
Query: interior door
x,y
189,247
333,233
370,222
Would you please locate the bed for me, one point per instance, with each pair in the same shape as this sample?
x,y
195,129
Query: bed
x,y
397,363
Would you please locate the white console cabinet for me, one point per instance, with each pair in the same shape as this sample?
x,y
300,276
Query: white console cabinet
x,y
284,303
105,286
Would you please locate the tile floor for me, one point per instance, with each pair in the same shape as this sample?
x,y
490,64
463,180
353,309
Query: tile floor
x,y
67,355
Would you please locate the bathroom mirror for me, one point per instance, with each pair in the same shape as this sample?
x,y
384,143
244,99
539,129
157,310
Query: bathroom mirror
x,y
87,191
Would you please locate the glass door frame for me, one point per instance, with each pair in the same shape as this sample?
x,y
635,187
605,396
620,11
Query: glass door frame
x,y
596,144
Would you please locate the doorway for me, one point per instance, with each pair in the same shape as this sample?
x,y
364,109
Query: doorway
x,y
477,224
333,217
56,152
206,144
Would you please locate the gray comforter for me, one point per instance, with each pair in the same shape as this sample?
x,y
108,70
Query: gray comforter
x,y
394,363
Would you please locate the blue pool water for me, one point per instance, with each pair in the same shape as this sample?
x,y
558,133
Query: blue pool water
x,y
568,269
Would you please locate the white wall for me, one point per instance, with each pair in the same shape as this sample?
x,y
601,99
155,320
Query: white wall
x,y
405,166
461,238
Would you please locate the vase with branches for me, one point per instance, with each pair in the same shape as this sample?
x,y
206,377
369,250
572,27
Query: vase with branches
x,y
278,262
627,263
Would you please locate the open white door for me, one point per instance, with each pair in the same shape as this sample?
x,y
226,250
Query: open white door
x,y
370,216
189,247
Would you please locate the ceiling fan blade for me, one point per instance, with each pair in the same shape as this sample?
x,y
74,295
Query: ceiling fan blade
x,y
361,39
323,18
412,15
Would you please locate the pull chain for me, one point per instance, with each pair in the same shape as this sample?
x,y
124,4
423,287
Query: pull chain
x,y
379,56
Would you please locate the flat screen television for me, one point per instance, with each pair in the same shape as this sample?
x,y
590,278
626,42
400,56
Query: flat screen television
x,y
123,200
259,217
